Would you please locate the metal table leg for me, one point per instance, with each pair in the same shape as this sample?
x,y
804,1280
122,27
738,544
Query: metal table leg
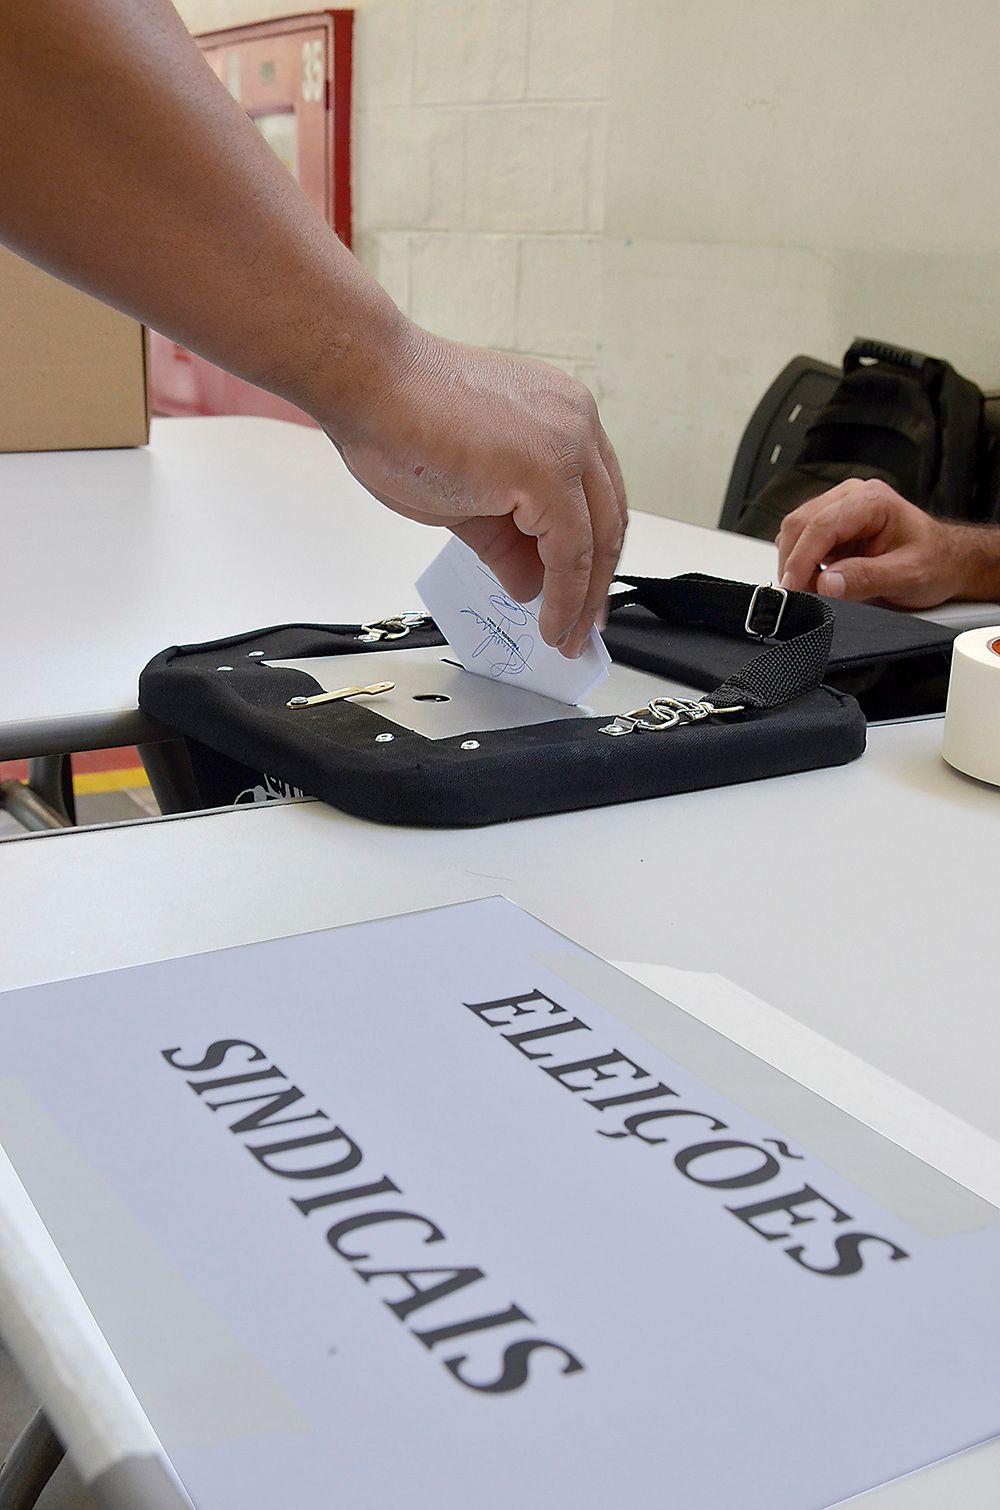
x,y
29,1465
45,800
51,778
168,767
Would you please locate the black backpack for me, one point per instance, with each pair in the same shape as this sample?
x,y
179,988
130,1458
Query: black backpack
x,y
897,415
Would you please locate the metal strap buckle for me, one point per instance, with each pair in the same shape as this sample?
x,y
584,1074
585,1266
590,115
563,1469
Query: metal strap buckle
x,y
396,627
766,633
666,713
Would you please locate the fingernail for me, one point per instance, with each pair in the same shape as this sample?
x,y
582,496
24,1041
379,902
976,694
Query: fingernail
x,y
570,650
832,584
786,580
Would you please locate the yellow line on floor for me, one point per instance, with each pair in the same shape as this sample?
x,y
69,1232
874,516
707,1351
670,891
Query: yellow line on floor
x,y
109,781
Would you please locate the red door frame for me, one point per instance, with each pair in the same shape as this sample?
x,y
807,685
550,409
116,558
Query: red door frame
x,y
180,382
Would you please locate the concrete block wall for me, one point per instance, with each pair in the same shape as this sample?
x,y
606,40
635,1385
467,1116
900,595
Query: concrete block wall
x,y
670,198
479,150
479,167
781,177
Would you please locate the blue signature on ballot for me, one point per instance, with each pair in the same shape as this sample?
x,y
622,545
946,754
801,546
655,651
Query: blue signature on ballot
x,y
501,632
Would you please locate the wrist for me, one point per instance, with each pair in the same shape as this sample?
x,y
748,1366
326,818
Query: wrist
x,y
360,367
973,552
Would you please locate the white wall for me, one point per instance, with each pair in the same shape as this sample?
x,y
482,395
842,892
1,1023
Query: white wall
x,y
672,197
783,175
479,179
213,15
479,129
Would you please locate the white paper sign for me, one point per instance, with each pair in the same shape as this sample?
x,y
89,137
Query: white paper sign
x,y
496,637
404,1215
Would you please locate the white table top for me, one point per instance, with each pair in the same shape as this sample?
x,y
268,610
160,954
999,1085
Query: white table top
x,y
219,526
827,894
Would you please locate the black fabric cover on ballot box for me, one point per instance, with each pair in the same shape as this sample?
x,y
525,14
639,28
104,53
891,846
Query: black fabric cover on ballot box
x,y
237,724
895,664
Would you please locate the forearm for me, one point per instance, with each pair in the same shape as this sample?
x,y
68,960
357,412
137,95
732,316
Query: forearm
x,y
128,170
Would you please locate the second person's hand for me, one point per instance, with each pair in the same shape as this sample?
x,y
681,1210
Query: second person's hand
x,y
861,540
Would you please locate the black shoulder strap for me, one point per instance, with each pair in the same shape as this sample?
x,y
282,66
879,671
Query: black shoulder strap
x,y
797,626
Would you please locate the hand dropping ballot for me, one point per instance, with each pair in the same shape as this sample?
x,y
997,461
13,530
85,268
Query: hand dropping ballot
x,y
493,636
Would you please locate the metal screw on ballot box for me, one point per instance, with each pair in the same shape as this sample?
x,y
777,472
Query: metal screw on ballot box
x,y
253,655
223,668
382,739
469,744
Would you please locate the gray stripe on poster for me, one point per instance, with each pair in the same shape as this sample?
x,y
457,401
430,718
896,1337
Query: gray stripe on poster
x,y
154,1320
906,1186
138,1484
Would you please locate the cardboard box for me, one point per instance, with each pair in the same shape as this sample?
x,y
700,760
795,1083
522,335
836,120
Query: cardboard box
x,y
72,371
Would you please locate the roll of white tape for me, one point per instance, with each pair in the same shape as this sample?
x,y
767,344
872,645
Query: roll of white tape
x,y
972,717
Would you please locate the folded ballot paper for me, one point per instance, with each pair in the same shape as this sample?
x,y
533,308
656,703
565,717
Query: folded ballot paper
x,y
496,637
410,1214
